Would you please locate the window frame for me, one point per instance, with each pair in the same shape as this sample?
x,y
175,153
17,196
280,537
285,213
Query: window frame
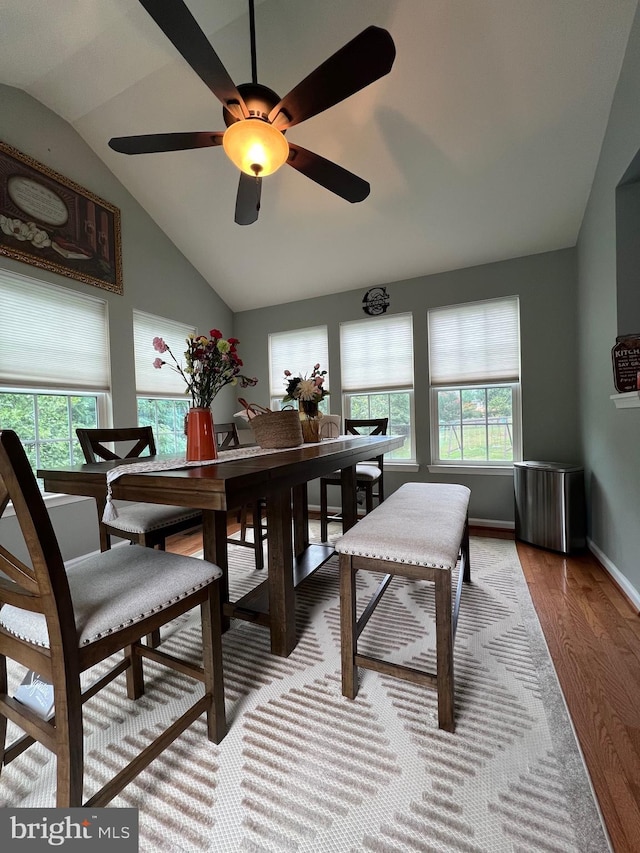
x,y
175,333
42,304
376,326
317,357
471,466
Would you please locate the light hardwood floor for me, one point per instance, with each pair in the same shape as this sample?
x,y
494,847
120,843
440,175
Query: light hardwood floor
x,y
593,634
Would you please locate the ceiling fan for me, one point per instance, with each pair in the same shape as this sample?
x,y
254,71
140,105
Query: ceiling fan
x,y
256,117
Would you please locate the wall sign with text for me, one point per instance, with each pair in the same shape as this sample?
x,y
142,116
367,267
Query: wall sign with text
x,y
626,363
50,222
375,301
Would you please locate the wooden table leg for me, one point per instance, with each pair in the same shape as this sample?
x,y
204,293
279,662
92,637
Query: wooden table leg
x,y
281,591
349,497
214,543
300,519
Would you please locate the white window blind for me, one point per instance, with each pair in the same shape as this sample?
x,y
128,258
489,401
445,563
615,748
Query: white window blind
x,y
298,351
151,381
377,354
476,342
51,337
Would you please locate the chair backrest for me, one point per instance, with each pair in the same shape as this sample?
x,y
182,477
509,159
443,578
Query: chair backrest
x,y
366,426
41,587
93,441
226,436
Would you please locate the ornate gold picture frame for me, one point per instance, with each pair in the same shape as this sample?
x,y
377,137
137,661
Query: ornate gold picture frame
x,y
50,222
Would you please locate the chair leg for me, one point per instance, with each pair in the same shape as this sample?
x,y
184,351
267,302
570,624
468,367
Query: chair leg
x,y
368,494
324,526
69,745
243,524
256,512
105,539
212,663
135,674
4,688
154,639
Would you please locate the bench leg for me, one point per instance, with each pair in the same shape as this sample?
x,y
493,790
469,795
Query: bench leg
x,y
444,651
466,577
348,639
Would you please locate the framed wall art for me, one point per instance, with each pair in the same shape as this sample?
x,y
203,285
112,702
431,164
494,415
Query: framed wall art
x,y
50,222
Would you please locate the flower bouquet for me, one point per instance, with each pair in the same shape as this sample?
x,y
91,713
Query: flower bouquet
x,y
210,364
309,391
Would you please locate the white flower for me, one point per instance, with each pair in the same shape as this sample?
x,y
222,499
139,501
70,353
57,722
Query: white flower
x,y
307,390
40,239
21,230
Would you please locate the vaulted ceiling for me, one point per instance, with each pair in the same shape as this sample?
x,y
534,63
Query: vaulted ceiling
x,y
481,144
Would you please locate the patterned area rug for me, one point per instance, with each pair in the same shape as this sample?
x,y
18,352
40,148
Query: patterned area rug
x,y
304,769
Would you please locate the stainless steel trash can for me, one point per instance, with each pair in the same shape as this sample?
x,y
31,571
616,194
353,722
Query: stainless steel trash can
x,y
550,505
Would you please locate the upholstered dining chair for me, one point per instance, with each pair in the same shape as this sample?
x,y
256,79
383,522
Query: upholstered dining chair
x,y
249,515
369,475
142,523
59,622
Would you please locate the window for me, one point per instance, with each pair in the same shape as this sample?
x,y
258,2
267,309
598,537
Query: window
x,y
297,351
54,367
377,375
474,367
162,401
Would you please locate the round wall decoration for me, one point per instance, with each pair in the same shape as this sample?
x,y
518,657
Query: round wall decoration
x,y
376,301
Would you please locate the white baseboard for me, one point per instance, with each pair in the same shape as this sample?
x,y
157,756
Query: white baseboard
x,y
629,590
488,522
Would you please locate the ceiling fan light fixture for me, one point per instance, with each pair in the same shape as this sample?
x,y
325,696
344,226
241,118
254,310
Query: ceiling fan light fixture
x,y
255,147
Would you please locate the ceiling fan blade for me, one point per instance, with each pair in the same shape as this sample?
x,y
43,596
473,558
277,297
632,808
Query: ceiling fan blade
x,y
248,199
151,143
181,28
328,174
360,62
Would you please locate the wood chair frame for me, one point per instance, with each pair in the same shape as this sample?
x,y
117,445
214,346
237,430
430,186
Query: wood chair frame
x,y
93,443
249,515
42,587
371,488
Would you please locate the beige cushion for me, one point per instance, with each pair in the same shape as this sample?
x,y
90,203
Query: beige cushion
x,y
143,518
421,524
364,471
116,589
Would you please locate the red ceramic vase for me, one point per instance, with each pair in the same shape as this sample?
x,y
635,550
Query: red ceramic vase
x,y
201,439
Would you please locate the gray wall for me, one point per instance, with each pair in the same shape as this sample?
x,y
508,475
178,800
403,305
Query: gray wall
x,y
610,436
157,278
546,285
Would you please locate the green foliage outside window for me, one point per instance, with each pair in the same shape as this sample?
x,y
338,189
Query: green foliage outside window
x,y
166,417
476,424
394,405
46,424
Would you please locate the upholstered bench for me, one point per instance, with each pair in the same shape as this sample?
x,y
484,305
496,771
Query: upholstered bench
x,y
419,532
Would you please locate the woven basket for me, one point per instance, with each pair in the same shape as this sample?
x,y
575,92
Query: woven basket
x,y
277,430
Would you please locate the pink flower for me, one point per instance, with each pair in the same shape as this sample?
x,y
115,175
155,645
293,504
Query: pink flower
x,y
216,334
287,373
158,363
159,345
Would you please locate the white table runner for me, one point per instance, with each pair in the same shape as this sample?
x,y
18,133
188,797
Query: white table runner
x,y
111,513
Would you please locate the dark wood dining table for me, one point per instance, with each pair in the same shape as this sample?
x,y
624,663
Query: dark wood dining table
x,y
281,478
